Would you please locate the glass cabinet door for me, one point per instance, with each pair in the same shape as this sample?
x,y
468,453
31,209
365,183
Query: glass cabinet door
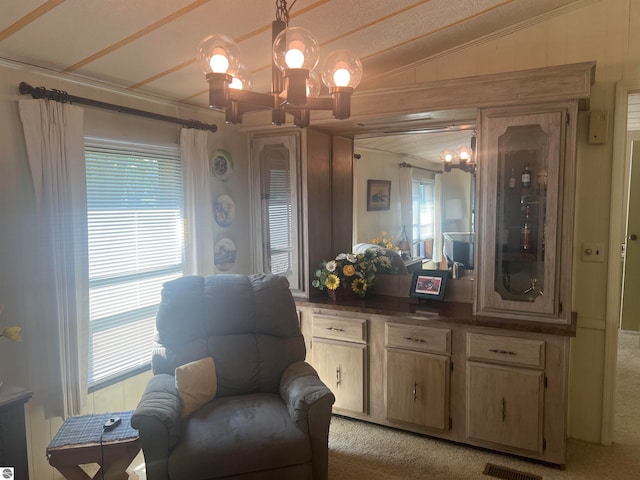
x,y
520,161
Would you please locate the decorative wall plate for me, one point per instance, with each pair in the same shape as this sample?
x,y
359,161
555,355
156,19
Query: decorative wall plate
x,y
224,210
221,165
224,254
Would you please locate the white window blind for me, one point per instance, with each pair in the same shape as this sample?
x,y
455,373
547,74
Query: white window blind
x,y
136,243
278,215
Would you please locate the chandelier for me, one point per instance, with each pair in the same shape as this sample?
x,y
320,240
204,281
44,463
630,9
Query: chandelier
x,y
464,157
295,84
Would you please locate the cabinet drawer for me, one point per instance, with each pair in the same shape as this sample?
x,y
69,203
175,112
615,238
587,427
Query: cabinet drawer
x,y
419,338
340,328
507,350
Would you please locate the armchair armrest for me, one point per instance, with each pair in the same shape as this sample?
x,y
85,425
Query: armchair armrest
x,y
309,402
300,389
157,419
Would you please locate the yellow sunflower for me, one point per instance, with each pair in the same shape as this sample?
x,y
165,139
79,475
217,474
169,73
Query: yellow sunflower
x,y
359,285
333,282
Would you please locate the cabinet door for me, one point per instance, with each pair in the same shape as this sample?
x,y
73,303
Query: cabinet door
x,y
418,388
341,366
505,406
523,177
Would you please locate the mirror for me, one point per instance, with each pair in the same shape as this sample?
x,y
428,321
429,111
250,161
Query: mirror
x,y
441,217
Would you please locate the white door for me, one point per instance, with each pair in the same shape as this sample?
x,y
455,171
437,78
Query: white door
x,y
631,280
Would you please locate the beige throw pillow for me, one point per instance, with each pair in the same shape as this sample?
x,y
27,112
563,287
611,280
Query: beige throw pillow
x,y
197,384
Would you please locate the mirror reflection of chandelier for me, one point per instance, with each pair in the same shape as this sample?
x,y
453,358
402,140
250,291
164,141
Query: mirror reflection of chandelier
x,y
463,158
295,84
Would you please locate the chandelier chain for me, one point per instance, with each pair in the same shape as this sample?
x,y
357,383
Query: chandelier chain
x,y
282,11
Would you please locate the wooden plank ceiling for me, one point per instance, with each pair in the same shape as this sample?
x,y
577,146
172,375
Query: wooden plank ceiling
x,y
149,45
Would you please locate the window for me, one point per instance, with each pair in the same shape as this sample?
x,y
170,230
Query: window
x,y
274,161
423,211
136,243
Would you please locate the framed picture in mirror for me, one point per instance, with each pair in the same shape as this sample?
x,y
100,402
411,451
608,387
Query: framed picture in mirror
x,y
378,195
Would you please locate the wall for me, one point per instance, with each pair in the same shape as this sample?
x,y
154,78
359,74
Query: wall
x,y
607,31
18,274
456,187
374,165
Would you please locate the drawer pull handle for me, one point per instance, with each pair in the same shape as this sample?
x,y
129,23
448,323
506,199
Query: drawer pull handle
x,y
504,409
412,339
338,379
334,329
502,352
415,391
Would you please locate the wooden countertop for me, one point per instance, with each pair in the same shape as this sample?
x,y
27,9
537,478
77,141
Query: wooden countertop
x,y
451,312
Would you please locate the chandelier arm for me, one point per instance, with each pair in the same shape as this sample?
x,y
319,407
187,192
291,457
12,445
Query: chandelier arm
x,y
313,103
253,100
277,80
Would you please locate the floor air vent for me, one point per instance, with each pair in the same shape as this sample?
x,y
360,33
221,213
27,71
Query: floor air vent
x,y
505,473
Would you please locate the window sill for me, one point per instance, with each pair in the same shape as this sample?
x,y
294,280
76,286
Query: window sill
x,y
121,377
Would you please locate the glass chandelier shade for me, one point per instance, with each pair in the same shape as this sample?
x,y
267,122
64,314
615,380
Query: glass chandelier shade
x,y
313,85
342,68
218,53
296,47
446,155
242,80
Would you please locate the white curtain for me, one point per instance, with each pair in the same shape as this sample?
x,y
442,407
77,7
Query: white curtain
x,y
198,202
406,201
437,220
54,138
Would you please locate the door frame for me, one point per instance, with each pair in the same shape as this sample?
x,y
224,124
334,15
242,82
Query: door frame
x,y
617,228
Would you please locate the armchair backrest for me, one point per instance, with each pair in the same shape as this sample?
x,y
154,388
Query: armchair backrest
x,y
247,324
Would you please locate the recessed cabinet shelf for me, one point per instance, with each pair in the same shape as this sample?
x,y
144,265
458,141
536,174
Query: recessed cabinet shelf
x,y
527,178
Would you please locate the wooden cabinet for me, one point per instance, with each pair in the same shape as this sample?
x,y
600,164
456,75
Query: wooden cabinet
x,y
526,195
339,354
505,406
515,398
418,369
13,439
293,174
454,378
418,388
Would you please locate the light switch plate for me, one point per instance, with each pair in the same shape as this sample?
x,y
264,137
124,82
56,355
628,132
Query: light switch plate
x,y
592,252
598,127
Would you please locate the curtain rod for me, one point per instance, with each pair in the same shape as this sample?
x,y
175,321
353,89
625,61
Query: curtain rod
x,y
63,97
408,165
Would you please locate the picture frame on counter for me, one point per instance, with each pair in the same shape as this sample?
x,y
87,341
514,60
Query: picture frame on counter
x,y
429,284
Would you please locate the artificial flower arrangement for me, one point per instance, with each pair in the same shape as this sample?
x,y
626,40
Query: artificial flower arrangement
x,y
12,333
352,271
385,241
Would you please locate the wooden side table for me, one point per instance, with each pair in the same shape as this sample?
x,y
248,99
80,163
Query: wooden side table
x,y
81,440
13,437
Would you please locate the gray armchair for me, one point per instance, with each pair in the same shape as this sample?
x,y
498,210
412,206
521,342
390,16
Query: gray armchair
x,y
270,417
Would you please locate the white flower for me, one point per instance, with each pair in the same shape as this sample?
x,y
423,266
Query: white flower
x,y
341,256
331,265
352,257
384,261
